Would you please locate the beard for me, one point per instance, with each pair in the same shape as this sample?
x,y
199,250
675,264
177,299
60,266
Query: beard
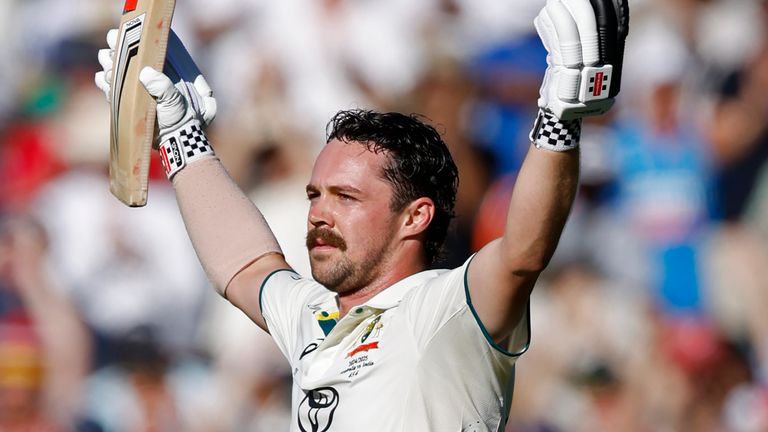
x,y
342,275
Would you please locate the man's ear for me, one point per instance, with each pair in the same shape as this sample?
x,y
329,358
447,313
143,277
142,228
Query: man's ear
x,y
417,216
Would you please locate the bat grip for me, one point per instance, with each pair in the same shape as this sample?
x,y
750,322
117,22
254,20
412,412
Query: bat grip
x,y
618,65
607,43
606,20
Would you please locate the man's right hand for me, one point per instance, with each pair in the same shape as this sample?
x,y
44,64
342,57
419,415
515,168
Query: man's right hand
x,y
185,104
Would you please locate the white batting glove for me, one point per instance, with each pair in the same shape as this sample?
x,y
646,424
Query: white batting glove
x,y
103,78
181,137
585,44
185,103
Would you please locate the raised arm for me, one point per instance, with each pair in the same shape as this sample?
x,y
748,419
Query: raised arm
x,y
585,42
231,238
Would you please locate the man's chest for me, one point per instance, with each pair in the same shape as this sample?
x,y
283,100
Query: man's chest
x,y
366,348
359,369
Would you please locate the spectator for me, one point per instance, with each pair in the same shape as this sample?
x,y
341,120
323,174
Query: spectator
x,y
44,347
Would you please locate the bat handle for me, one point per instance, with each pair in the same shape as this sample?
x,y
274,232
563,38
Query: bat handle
x,y
618,65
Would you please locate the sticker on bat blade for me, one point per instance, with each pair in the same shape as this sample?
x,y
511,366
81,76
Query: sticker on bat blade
x,y
129,40
130,6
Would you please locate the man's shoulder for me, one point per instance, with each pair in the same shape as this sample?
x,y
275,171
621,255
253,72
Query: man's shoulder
x,y
442,275
289,276
438,279
297,287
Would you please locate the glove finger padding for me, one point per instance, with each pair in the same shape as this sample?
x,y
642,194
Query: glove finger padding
x,y
587,28
171,104
568,41
208,104
103,78
112,38
105,60
102,82
584,39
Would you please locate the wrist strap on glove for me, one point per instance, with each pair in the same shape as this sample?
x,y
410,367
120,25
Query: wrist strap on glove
x,y
184,146
553,134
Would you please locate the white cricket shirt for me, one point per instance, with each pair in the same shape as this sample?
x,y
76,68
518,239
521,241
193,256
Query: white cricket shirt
x,y
412,358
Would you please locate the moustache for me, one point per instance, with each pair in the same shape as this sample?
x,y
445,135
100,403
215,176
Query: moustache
x,y
327,237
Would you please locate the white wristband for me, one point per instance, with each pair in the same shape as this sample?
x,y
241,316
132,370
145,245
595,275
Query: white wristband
x,y
553,134
184,146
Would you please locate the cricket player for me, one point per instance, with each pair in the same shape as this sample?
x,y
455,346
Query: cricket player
x,y
375,341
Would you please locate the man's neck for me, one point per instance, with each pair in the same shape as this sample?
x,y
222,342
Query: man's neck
x,y
404,260
349,301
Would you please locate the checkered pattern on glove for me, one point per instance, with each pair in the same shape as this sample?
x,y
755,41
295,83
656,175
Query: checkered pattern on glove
x,y
554,134
184,146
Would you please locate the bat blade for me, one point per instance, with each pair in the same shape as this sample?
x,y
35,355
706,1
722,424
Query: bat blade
x,y
142,41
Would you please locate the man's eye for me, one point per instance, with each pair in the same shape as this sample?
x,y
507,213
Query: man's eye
x,y
346,197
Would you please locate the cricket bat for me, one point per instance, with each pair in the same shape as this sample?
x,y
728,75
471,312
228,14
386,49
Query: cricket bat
x,y
142,41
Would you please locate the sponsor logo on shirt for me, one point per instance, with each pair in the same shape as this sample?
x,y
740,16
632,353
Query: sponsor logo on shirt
x,y
311,348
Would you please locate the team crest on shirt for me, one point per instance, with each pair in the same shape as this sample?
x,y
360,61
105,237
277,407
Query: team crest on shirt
x,y
374,327
372,331
358,357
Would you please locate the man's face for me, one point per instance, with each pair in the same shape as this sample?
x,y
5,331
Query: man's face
x,y
351,228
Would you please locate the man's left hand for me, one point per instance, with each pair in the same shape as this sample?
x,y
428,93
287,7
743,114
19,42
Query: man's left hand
x,y
585,42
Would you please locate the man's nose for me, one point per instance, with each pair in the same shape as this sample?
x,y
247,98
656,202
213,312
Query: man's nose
x,y
319,213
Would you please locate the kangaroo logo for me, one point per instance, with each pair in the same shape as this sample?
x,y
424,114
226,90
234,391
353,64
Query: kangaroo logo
x,y
317,408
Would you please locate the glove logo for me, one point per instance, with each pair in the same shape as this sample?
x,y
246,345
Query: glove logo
x,y
597,88
170,155
164,159
176,152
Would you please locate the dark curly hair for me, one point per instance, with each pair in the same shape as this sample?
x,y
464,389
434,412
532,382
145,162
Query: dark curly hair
x,y
420,164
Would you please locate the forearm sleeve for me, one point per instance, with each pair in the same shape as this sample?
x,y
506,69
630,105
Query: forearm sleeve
x,y
227,231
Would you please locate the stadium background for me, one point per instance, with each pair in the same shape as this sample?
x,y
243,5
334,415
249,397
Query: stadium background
x,y
653,315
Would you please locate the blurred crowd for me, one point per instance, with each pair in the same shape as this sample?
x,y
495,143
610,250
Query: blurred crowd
x,y
652,316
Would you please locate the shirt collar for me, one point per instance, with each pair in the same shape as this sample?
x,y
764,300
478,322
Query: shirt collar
x,y
391,296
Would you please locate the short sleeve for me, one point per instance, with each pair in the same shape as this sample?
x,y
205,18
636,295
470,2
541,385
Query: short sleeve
x,y
282,298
